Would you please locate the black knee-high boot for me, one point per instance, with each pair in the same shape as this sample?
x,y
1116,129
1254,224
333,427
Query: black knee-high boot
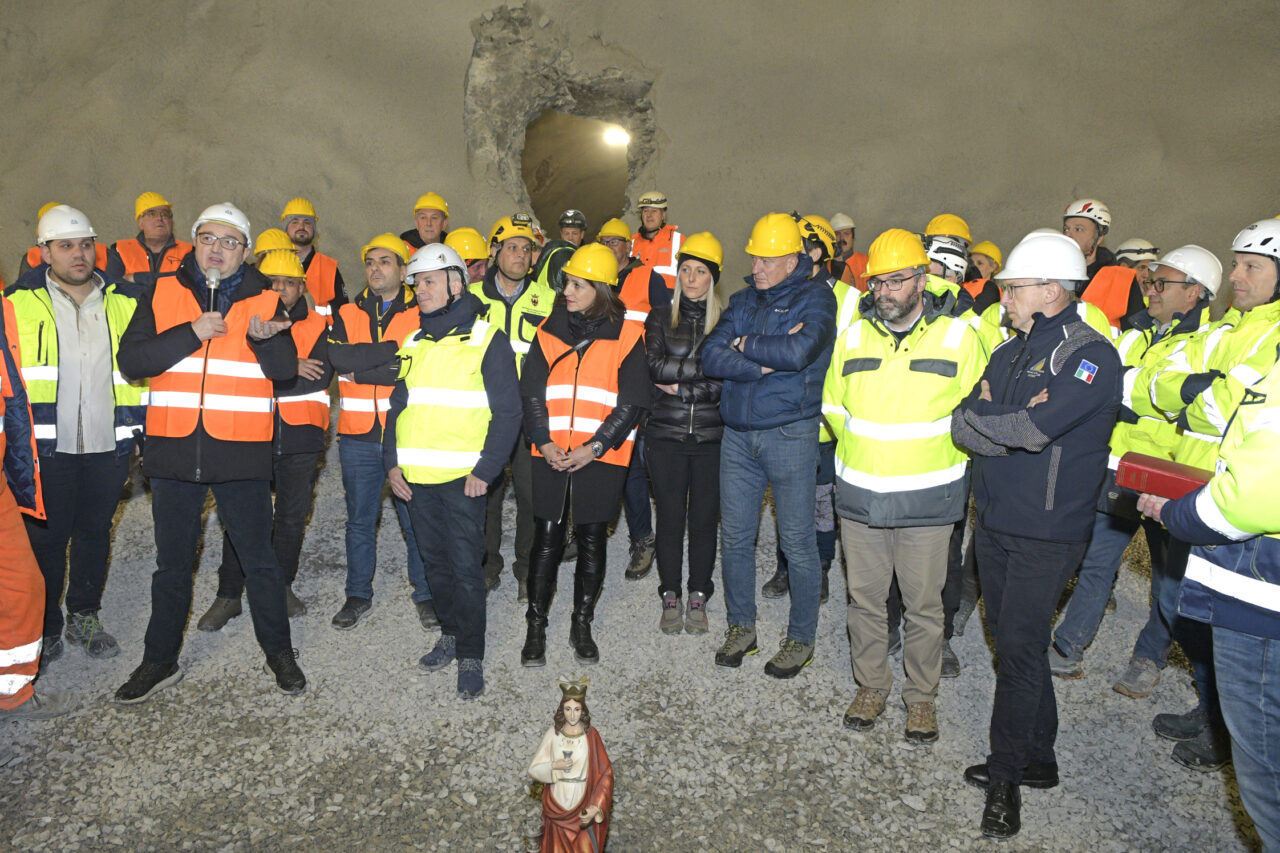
x,y
588,580
544,560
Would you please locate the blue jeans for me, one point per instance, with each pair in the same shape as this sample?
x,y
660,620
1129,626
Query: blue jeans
x,y
450,527
1111,536
785,458
1248,673
363,480
635,495
1164,625
824,513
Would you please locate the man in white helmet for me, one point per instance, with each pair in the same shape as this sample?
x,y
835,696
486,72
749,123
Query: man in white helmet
x,y
1138,255
1037,425
1112,287
455,415
848,265
206,337
657,244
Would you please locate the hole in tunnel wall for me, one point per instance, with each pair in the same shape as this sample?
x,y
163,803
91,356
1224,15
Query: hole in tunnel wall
x,y
571,162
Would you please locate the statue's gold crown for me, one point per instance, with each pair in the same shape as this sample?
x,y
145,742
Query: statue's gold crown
x,y
574,689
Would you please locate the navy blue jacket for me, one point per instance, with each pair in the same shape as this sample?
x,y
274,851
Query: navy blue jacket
x,y
1037,471
751,399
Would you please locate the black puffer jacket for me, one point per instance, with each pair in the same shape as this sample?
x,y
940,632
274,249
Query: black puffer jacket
x,y
675,358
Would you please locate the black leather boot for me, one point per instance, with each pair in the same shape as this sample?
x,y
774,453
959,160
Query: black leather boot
x,y
588,580
534,652
544,560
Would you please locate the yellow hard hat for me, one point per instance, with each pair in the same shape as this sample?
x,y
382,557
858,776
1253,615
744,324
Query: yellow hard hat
x,y
298,207
432,201
468,243
614,228
148,200
281,262
895,249
391,243
594,262
46,207
271,240
948,225
815,227
515,225
775,235
705,247
991,250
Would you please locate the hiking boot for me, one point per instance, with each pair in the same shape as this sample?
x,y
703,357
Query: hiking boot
x,y
1208,751
922,722
739,641
776,586
695,617
671,622
962,616
346,618
1001,816
1062,666
1139,679
427,616
42,706
534,652
293,606
470,678
867,705
147,679
222,611
85,629
50,650
792,657
641,558
289,677
950,661
1181,727
446,649
584,648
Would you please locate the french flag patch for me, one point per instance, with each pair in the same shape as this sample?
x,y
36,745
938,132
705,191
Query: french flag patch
x,y
1086,371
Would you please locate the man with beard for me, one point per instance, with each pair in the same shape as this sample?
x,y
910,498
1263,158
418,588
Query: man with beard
x,y
430,218
324,281
848,265
897,373
657,244
1112,287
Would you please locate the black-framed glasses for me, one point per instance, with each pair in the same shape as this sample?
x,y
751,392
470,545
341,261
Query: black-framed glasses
x,y
893,285
207,238
1010,288
1158,284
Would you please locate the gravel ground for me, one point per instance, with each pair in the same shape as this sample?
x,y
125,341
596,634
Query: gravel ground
x,y
378,756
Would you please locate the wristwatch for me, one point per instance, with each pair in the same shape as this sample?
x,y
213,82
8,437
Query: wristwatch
x,y
597,448
737,342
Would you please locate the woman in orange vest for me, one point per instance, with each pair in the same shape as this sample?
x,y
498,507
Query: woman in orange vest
x,y
585,384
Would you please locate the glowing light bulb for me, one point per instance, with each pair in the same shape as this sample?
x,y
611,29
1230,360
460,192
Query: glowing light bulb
x,y
615,135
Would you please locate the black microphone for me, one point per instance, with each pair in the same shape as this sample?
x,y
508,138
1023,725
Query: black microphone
x,y
214,276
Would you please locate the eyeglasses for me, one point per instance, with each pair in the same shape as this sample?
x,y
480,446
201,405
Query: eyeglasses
x,y
1158,284
893,285
229,243
1010,288
158,213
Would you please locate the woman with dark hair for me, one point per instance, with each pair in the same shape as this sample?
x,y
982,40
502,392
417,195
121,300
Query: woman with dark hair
x,y
585,384
683,435
577,778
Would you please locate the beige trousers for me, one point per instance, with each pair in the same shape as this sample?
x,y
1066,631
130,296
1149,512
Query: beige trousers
x,y
918,555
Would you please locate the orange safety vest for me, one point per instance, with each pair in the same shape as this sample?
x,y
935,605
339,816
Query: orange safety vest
x,y
660,253
855,271
312,408
582,389
136,259
221,384
975,287
1109,291
32,502
634,294
322,277
99,256
358,402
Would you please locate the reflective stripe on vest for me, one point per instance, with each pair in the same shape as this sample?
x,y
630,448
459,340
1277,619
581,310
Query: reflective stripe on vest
x,y
359,403
582,389
441,432
221,384
136,259
661,253
310,409
1109,290
634,294
322,278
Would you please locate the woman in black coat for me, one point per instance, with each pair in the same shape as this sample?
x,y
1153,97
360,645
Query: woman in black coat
x,y
683,435
585,384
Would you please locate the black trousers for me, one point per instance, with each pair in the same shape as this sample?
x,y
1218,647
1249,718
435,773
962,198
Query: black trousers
x,y
81,492
1022,580
522,481
449,527
686,486
295,482
245,509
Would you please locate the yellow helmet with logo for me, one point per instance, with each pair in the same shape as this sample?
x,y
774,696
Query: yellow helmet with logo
x,y
298,207
468,243
594,262
775,235
815,227
515,225
895,249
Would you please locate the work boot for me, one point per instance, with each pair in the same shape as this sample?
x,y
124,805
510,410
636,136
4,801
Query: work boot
x,y
354,608
1181,727
671,622
470,678
1208,751
739,641
1062,666
284,666
776,586
42,706
950,661
146,680
867,705
85,629
641,558
922,722
792,657
222,611
1001,816
443,654
293,606
50,650
1139,679
695,618
962,616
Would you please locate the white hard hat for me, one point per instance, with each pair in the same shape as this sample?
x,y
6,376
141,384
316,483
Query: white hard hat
x,y
1136,249
224,213
435,256
948,251
1045,255
1260,238
841,221
653,198
1090,208
1195,263
63,222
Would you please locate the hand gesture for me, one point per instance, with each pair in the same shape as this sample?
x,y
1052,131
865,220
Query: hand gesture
x,y
260,329
209,325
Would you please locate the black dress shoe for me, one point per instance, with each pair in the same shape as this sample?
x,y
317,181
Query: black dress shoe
x,y
1001,817
1037,775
